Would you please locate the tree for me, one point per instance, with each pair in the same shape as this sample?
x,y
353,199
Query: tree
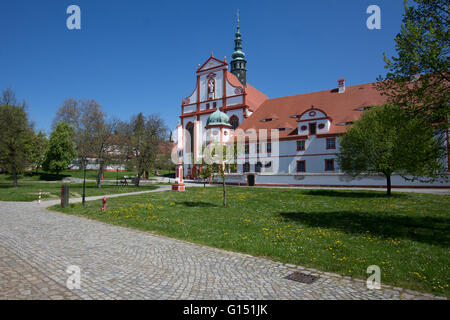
x,y
205,173
37,146
146,134
219,159
69,112
15,134
96,133
93,131
418,77
61,150
385,140
9,98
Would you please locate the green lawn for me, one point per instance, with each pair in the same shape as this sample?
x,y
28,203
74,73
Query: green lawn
x,y
44,176
28,191
90,174
406,235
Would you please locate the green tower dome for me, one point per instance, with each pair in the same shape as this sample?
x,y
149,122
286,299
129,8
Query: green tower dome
x,y
218,118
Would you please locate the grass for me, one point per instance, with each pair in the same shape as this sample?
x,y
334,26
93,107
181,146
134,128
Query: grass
x,y
406,235
51,191
90,175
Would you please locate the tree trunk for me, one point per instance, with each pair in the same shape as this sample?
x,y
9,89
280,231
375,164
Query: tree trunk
x,y
224,188
388,184
14,174
99,176
138,178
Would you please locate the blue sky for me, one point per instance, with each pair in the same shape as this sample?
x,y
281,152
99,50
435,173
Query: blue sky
x,y
140,56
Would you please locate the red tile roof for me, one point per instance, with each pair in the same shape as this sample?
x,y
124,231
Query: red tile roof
x,y
254,97
339,107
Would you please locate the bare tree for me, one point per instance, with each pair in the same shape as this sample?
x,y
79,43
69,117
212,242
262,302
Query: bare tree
x,y
93,132
69,112
8,98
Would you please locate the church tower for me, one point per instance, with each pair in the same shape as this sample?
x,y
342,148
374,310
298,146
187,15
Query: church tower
x,y
238,64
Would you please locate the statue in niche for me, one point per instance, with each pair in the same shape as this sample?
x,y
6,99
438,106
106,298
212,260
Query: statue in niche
x,y
211,87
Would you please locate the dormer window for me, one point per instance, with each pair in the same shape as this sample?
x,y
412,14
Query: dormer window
x,y
321,126
344,123
268,119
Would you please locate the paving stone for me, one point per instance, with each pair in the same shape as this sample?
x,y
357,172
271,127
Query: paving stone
x,y
37,246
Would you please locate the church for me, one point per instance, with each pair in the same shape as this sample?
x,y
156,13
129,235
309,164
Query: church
x,y
307,127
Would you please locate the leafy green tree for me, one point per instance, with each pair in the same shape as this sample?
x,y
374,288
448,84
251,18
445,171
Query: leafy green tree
x,y
385,140
418,76
219,159
145,135
206,173
15,135
37,147
61,149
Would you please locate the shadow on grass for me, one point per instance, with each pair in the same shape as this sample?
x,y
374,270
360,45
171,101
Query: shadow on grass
x,y
51,177
429,230
196,204
352,194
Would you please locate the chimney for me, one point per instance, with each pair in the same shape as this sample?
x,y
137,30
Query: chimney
x,y
341,85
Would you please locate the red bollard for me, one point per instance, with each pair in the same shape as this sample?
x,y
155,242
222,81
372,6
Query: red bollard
x,y
104,204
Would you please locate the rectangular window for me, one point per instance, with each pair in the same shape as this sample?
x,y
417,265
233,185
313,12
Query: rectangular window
x,y
214,105
246,167
331,143
247,149
312,128
258,167
301,145
329,164
207,106
301,166
269,147
257,148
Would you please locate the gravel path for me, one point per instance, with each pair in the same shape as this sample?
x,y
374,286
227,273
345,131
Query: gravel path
x,y
37,246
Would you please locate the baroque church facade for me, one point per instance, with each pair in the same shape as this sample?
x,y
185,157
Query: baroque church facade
x,y
307,125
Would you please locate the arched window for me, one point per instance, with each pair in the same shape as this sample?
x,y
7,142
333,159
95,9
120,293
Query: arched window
x,y
190,129
234,121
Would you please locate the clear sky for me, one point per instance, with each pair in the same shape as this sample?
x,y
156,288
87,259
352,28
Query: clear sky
x,y
141,56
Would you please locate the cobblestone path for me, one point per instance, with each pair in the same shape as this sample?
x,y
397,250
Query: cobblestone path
x,y
37,246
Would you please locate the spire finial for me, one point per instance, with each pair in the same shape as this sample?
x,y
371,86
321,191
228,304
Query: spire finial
x,y
238,17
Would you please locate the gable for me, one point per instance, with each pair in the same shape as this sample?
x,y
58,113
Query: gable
x,y
212,63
